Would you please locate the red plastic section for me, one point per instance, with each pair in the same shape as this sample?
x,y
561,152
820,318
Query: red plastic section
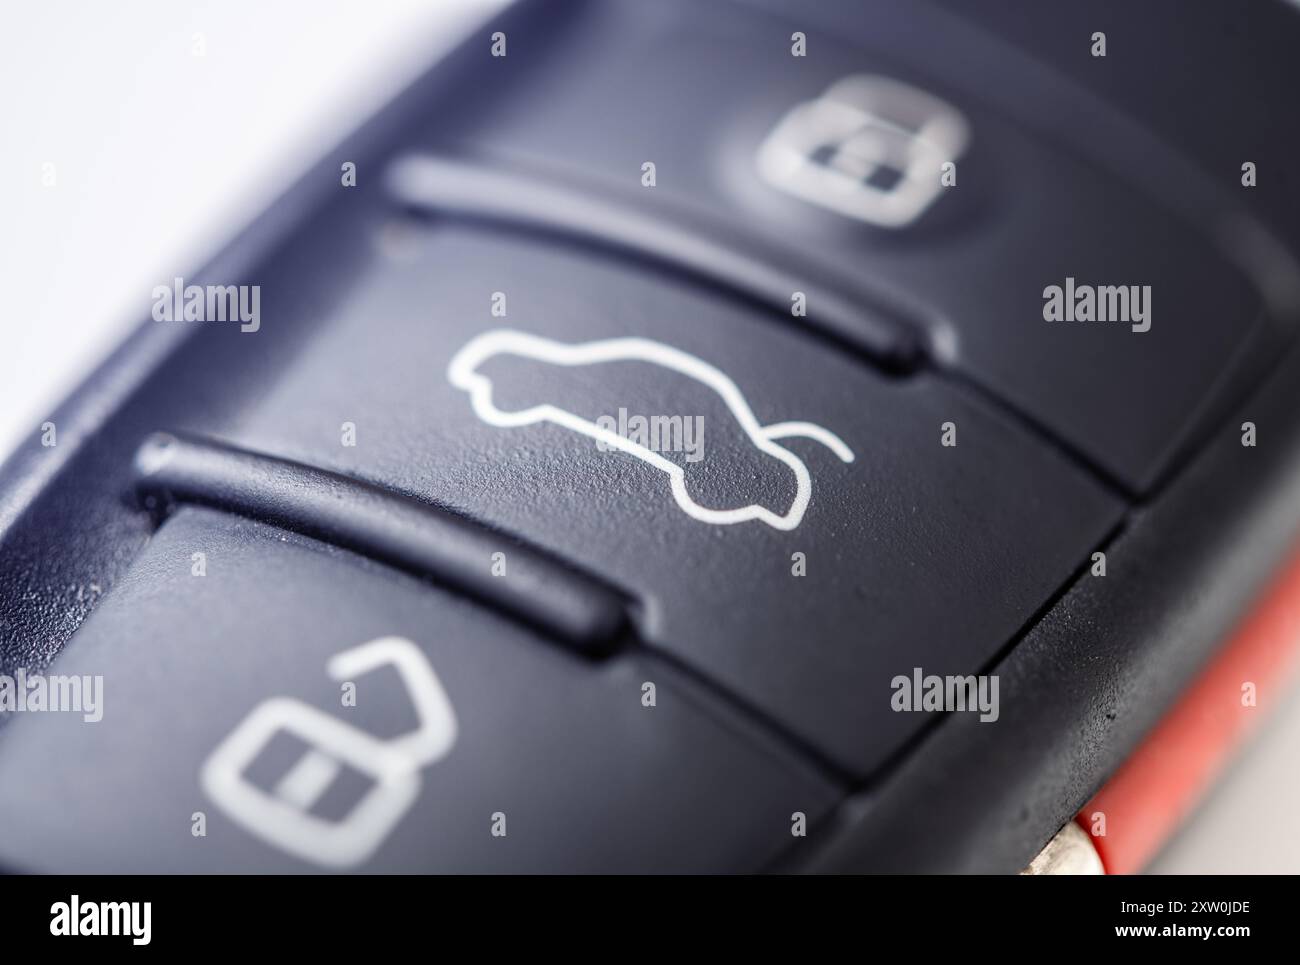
x,y
1146,799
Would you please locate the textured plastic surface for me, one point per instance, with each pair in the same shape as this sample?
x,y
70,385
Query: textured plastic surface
x,y
673,787
1026,213
420,538
916,553
1095,675
953,559
1144,802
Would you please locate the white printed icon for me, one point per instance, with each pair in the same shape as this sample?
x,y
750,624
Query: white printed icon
x,y
282,816
463,373
870,148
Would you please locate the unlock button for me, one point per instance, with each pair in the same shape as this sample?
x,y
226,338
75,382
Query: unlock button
x,y
302,708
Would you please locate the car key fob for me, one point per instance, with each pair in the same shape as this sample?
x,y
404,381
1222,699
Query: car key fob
x,y
669,437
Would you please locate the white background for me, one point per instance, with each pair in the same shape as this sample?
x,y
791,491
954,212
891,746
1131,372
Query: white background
x,y
161,155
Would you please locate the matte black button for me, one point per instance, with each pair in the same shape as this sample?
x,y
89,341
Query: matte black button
x,y
420,537
770,455
704,92
307,709
682,242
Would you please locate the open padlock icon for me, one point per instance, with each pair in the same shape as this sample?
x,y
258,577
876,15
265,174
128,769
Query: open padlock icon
x,y
282,816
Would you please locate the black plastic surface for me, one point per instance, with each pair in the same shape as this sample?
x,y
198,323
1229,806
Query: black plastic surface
x,y
1026,213
678,786
1088,682
917,554
421,538
678,241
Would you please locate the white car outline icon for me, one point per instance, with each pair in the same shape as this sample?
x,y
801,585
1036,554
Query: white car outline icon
x,y
462,373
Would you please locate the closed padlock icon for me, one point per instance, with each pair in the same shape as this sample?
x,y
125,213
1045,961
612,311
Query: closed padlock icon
x,y
282,816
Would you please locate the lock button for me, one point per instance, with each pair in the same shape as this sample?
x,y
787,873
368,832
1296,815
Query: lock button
x,y
870,148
